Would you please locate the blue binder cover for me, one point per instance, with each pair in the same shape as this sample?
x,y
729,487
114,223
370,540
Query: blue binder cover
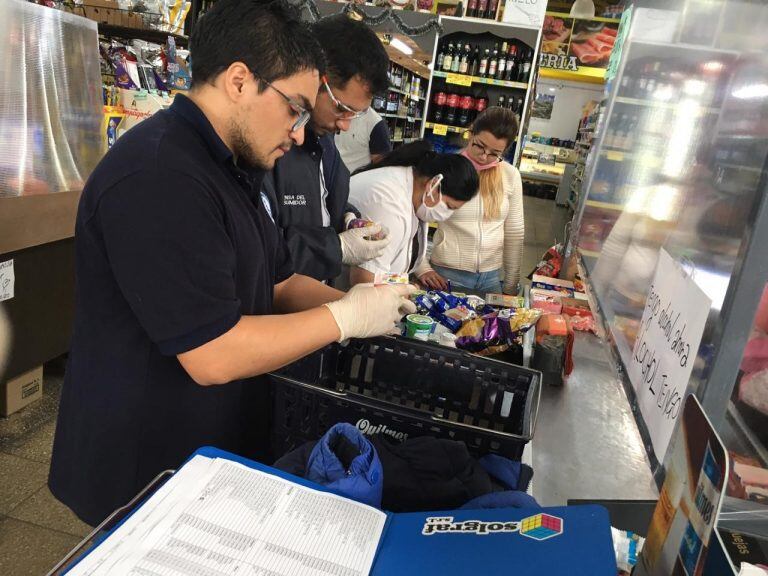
x,y
573,540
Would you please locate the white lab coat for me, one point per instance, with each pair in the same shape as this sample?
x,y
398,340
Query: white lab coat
x,y
384,195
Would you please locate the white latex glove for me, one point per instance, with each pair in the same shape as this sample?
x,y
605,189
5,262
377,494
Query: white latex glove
x,y
368,310
355,249
348,217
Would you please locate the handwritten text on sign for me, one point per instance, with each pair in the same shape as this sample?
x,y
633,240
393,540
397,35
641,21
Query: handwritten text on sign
x,y
662,359
7,280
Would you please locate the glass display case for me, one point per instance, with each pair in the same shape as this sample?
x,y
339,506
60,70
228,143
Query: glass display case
x,y
679,163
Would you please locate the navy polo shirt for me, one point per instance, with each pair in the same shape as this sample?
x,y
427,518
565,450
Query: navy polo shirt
x,y
173,244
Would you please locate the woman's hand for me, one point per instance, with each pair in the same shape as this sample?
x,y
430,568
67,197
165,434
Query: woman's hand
x,y
433,280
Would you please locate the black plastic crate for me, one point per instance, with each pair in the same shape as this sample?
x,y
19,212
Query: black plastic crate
x,y
405,387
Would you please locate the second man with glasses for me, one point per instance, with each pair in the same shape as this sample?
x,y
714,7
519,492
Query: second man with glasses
x,y
309,187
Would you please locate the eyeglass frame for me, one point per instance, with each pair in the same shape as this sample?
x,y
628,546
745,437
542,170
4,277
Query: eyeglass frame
x,y
304,114
341,106
484,150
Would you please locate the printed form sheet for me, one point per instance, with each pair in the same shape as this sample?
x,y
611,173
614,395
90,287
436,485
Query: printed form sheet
x,y
216,517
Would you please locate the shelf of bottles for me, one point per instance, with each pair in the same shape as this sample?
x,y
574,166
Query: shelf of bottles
x,y
584,138
403,104
472,72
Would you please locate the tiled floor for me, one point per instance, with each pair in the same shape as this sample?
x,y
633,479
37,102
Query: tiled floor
x,y
544,227
36,531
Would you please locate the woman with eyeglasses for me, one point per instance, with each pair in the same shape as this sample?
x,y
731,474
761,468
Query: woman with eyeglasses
x,y
480,247
408,188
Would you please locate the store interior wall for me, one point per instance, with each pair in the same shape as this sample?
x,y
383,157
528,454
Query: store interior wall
x,y
570,98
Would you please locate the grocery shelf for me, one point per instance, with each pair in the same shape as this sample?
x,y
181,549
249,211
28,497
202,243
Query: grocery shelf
x,y
605,205
404,93
658,104
553,178
456,129
589,253
480,80
400,117
740,167
148,34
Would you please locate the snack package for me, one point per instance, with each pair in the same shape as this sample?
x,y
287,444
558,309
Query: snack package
x,y
113,117
436,304
380,279
627,546
551,262
363,223
495,332
178,75
505,300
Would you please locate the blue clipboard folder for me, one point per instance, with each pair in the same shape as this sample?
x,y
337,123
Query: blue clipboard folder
x,y
573,540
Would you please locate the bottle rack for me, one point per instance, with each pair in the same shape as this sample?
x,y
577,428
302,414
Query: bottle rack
x,y
471,72
403,105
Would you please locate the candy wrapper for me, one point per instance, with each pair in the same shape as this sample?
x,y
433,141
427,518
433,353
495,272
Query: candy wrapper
x,y
363,223
448,309
627,546
495,332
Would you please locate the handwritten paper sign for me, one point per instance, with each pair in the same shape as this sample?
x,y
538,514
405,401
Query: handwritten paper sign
x,y
665,349
526,12
7,280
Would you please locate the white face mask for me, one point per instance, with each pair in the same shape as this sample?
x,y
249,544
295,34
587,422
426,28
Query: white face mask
x,y
440,212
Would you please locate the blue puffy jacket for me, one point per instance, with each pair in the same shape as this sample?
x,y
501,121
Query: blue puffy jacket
x,y
346,462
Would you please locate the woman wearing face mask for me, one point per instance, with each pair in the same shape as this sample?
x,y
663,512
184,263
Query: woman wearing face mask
x,y
483,240
410,187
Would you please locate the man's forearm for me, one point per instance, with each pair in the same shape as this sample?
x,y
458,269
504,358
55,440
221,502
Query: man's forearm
x,y
359,275
300,293
259,344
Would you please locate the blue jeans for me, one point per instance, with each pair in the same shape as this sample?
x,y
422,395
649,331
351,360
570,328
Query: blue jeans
x,y
479,281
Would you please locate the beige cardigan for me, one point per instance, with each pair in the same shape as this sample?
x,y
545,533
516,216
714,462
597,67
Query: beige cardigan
x,y
469,242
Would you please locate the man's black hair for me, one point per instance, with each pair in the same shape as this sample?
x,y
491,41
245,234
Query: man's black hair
x,y
266,36
352,49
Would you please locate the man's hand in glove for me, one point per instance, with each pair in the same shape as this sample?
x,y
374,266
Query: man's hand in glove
x,y
368,310
355,249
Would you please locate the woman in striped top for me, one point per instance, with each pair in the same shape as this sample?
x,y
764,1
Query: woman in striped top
x,y
480,247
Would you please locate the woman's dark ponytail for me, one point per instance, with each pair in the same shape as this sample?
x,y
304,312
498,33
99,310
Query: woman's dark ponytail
x,y
460,180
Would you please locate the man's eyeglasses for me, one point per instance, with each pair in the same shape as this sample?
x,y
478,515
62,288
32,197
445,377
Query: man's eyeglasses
x,y
486,152
303,115
342,110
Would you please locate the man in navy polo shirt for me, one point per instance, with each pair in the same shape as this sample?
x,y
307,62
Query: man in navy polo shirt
x,y
185,288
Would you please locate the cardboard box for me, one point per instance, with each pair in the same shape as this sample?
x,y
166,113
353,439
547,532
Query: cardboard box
x,y
21,391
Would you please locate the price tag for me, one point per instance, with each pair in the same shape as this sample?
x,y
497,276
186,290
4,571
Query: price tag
x,y
439,129
459,79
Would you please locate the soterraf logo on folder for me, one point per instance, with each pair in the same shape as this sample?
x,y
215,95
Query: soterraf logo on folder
x,y
538,527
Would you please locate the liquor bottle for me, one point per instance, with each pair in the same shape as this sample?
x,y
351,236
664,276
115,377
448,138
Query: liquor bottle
x,y
451,106
471,9
438,102
501,102
482,8
493,6
456,60
466,105
510,73
501,67
519,106
440,58
481,103
525,68
407,88
483,69
464,65
474,65
448,59
493,63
